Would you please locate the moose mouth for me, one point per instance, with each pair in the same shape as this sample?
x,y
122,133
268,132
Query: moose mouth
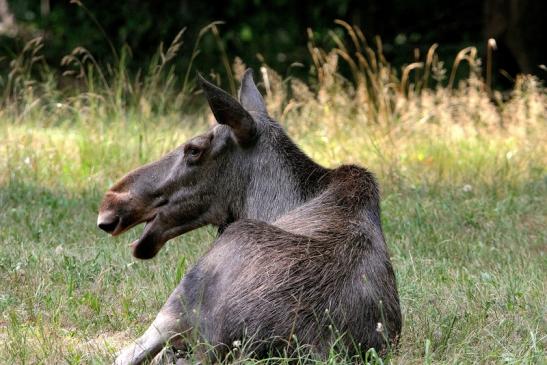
x,y
156,232
149,243
151,239
122,228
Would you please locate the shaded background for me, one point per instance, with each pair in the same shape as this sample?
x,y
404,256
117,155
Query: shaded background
x,y
277,30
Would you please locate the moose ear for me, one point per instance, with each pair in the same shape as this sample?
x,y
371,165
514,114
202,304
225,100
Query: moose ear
x,y
229,111
249,96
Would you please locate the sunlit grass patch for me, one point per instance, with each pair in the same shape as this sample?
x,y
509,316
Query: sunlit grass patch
x,y
80,156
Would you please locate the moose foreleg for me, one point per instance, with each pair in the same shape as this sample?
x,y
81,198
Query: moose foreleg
x,y
170,325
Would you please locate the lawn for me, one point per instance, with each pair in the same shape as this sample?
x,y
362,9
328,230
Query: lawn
x,y
464,207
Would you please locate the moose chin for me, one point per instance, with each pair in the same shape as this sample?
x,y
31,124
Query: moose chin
x,y
300,260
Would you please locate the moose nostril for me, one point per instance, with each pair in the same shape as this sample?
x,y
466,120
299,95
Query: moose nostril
x,y
108,224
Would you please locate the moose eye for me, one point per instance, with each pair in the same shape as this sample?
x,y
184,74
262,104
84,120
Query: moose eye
x,y
193,152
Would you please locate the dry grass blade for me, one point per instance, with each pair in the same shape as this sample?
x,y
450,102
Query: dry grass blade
x,y
100,27
195,52
406,74
428,63
468,54
342,51
225,60
491,46
351,31
175,46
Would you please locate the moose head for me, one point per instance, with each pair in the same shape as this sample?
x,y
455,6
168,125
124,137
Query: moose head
x,y
230,172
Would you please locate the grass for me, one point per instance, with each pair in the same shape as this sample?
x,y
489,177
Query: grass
x,y
462,172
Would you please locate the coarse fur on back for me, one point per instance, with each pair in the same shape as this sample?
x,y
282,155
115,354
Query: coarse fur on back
x,y
300,259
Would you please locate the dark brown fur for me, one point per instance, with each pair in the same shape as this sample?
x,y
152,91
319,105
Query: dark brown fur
x,y
301,258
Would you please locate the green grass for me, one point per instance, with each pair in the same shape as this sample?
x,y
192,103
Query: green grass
x,y
470,260
464,204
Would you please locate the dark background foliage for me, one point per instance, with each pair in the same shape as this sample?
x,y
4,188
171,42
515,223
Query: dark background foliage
x,y
277,30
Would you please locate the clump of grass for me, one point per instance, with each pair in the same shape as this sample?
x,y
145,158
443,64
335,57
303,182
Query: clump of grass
x,y
462,172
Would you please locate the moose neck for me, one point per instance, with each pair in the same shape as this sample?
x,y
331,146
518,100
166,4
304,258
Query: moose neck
x,y
285,180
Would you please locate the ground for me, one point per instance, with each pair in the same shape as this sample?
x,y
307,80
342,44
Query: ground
x,y
463,209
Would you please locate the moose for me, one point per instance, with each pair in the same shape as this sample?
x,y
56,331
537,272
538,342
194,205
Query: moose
x,y
300,259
